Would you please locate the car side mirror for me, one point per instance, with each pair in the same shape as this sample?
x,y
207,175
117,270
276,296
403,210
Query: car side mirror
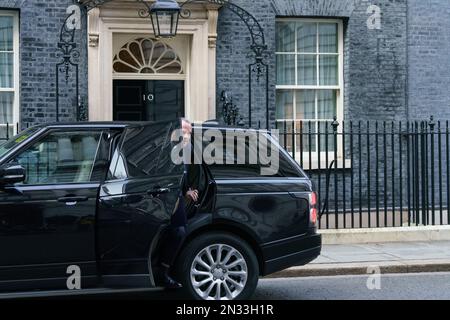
x,y
12,174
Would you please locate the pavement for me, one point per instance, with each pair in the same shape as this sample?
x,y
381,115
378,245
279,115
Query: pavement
x,y
361,259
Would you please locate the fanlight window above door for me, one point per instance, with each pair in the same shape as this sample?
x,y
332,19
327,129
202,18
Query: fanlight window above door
x,y
146,55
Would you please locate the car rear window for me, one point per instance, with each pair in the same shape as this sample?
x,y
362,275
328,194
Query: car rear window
x,y
234,166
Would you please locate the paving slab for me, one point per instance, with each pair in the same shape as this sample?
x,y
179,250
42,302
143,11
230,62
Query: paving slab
x,y
356,259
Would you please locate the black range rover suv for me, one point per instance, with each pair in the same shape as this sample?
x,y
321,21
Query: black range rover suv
x,y
93,200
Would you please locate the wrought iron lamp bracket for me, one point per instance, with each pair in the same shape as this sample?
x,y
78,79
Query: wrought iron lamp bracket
x,y
258,46
67,47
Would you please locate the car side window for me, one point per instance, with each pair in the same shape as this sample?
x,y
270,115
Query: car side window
x,y
242,161
60,157
231,165
144,152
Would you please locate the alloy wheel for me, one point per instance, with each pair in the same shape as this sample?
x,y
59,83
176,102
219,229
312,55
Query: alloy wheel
x,y
219,272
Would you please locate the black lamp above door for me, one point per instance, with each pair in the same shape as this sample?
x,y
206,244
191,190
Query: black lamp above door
x,y
165,15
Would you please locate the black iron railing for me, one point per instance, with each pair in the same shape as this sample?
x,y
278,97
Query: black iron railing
x,y
8,130
375,174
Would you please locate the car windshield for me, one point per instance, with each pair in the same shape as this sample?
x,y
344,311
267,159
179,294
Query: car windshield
x,y
7,145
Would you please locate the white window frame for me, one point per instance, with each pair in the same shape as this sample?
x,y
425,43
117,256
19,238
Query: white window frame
x,y
339,92
16,70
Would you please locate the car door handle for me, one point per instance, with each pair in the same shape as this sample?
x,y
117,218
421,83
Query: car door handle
x,y
158,191
71,201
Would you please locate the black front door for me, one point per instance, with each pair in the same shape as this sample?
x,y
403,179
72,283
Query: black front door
x,y
148,100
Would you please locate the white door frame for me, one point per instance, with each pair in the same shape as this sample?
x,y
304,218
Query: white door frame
x,y
198,106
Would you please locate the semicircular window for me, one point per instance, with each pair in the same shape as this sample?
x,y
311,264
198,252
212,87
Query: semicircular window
x,y
146,55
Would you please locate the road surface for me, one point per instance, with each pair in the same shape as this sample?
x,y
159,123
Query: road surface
x,y
423,286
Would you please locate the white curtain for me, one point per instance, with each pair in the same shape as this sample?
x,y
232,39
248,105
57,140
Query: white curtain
x,y
285,42
6,74
285,69
307,43
326,108
285,104
328,38
307,69
6,52
6,107
285,37
328,43
328,70
306,37
306,104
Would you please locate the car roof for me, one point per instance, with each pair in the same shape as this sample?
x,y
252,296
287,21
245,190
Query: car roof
x,y
226,127
93,124
127,124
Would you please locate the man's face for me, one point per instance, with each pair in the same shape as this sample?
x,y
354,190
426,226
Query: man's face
x,y
187,132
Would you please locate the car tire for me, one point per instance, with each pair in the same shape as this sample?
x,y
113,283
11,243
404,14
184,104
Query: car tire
x,y
234,276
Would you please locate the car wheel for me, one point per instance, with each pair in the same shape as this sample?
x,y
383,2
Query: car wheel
x,y
218,266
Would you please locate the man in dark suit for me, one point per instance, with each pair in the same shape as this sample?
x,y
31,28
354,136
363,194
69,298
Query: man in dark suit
x,y
187,200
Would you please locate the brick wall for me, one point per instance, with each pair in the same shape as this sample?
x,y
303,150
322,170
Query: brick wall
x,y
429,58
40,24
233,51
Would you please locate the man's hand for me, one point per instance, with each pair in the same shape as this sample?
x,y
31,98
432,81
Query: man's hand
x,y
192,195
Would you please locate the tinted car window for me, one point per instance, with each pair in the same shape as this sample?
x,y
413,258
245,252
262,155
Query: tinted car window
x,y
60,157
289,168
239,162
145,151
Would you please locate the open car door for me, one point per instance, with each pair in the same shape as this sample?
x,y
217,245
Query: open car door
x,y
136,202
